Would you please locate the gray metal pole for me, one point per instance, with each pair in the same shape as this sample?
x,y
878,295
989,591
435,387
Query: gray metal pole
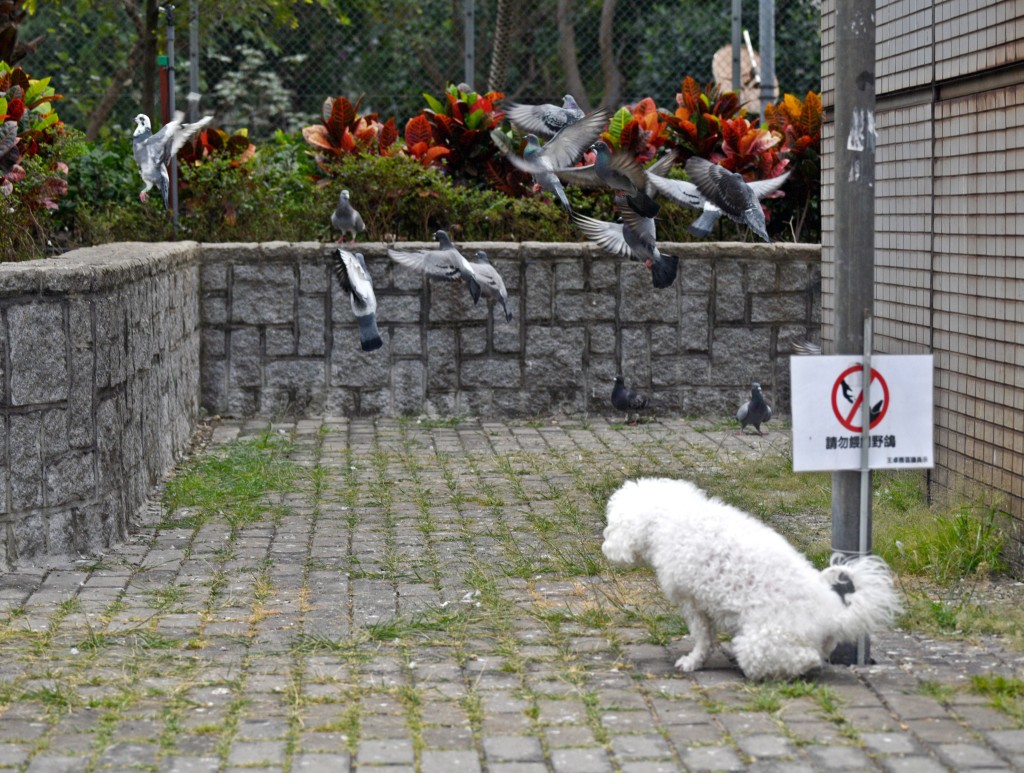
x,y
737,43
469,35
854,238
169,12
766,42
193,62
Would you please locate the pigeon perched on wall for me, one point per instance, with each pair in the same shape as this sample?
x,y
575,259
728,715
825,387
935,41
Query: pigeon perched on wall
x,y
543,120
153,152
561,152
346,218
489,282
355,280
445,263
755,411
628,400
633,238
730,193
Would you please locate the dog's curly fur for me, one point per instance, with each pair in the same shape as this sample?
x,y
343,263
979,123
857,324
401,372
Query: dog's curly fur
x,y
730,572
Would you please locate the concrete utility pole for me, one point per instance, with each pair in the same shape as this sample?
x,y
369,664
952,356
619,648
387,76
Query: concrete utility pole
x,y
854,241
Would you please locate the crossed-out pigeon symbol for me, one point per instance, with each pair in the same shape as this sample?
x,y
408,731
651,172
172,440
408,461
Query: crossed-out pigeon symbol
x,y
848,412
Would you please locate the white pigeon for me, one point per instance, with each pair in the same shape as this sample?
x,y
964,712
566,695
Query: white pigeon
x,y
488,281
355,280
153,152
446,263
346,218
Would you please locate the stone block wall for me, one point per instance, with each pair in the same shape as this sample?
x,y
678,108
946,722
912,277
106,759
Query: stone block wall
x,y
108,354
100,391
279,336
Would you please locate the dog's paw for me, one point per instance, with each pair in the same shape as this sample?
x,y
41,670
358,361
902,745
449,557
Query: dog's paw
x,y
690,662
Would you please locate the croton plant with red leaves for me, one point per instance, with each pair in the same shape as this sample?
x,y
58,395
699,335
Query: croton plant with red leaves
x,y
343,131
639,128
27,123
454,134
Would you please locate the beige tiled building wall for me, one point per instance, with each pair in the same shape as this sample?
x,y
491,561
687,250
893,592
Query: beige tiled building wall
x,y
949,224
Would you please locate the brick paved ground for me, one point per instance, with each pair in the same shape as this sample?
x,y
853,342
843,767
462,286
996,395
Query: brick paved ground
x,y
433,598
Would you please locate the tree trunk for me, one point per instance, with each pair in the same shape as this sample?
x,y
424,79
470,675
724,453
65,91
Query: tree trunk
x,y
609,67
503,26
101,112
567,53
120,79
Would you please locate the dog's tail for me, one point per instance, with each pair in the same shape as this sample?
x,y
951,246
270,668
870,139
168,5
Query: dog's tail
x,y
865,586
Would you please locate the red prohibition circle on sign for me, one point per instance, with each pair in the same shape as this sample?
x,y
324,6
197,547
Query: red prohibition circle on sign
x,y
847,419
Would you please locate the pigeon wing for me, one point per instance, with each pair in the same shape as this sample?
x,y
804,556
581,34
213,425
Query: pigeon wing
x,y
727,190
680,191
764,188
643,231
568,145
356,281
607,236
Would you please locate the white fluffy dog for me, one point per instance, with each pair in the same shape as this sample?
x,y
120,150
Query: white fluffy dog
x,y
729,572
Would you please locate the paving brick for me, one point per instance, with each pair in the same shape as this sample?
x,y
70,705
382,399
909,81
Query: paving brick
x,y
512,748
450,762
580,761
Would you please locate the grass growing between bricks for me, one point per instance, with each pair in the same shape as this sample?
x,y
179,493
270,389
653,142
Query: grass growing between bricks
x,y
355,582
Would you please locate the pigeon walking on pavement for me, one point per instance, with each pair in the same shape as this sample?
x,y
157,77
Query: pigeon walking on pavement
x,y
445,263
346,218
153,152
628,400
489,282
755,411
561,152
543,120
356,281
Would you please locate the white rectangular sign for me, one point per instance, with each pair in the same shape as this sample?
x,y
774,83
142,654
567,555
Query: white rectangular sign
x,y
827,395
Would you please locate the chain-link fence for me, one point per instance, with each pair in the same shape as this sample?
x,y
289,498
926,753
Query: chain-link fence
x,y
263,74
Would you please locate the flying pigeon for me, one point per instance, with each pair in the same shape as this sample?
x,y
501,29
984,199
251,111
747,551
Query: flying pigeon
x,y
633,238
754,411
446,263
488,281
620,172
805,346
153,152
561,152
627,400
346,218
543,120
355,280
730,193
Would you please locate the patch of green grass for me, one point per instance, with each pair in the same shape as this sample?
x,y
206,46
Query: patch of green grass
x,y
1005,694
945,547
232,483
943,693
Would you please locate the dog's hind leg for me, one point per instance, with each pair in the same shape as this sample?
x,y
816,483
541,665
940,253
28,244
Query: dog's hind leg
x,y
768,657
702,631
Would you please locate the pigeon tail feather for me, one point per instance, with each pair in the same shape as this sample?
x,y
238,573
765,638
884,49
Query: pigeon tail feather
x,y
369,335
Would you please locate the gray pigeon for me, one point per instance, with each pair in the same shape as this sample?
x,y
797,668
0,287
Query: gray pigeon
x,y
730,193
633,238
628,400
620,172
446,263
543,120
355,280
561,152
488,281
346,218
153,152
754,411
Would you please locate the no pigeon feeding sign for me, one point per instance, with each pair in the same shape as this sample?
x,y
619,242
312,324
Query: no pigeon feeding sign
x,y
828,402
